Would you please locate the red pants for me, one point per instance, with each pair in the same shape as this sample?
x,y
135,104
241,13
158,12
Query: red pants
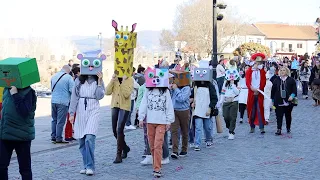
x,y
68,129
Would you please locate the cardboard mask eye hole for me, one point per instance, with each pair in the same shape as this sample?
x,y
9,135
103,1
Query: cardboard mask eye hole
x,y
150,75
125,37
85,63
118,36
96,63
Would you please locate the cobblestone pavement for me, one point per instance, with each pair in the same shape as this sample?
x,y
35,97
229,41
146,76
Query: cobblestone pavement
x,y
249,156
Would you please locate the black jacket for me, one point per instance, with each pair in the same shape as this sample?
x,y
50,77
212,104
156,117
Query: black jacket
x,y
289,85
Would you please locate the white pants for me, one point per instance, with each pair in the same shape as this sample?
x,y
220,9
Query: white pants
x,y
267,103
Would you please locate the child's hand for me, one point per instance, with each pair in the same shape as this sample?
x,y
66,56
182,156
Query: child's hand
x,y
208,112
141,124
13,90
71,119
168,127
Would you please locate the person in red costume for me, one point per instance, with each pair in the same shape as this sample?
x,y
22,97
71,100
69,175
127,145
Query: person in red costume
x,y
256,79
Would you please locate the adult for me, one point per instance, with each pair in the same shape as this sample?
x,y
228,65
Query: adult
x,y
283,91
314,82
68,130
61,88
70,64
256,80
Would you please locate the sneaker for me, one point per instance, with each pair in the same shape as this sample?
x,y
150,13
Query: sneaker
x,y
131,127
89,172
174,155
231,136
165,161
157,174
197,148
147,160
191,145
209,144
61,142
53,139
241,121
83,171
183,154
306,97
262,131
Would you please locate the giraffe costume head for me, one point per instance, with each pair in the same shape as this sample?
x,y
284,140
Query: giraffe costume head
x,y
124,43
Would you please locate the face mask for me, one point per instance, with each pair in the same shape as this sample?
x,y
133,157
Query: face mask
x,y
260,66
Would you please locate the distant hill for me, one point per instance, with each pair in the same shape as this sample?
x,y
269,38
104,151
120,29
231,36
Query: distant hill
x,y
149,40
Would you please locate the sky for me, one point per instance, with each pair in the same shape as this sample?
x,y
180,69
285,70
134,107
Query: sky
x,y
59,18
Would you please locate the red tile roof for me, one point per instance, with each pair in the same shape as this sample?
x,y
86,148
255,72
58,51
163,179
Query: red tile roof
x,y
286,31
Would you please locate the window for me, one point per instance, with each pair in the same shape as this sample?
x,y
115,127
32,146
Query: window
x,y
299,46
259,41
251,40
290,48
282,46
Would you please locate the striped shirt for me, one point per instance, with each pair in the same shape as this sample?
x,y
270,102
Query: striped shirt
x,y
86,104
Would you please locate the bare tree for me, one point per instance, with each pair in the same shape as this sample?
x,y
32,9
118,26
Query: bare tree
x,y
167,40
193,24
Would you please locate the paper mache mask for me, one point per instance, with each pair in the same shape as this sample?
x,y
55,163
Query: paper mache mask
x,y
90,65
18,72
157,77
232,74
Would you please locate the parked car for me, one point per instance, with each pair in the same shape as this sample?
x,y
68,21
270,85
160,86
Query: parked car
x,y
41,90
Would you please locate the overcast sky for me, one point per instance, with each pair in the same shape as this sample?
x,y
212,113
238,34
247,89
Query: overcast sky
x,y
25,18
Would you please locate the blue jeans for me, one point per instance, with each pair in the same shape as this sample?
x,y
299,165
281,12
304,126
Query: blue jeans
x,y
59,115
128,122
87,146
207,125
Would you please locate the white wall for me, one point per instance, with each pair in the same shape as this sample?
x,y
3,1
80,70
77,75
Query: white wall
x,y
307,46
236,41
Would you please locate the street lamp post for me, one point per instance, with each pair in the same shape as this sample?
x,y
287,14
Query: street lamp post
x,y
214,58
216,17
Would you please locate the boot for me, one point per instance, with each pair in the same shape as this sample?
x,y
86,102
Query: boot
x,y
119,149
278,133
125,151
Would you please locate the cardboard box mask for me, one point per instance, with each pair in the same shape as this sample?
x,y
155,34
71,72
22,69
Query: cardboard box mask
x,y
90,65
19,72
124,43
202,74
157,77
181,78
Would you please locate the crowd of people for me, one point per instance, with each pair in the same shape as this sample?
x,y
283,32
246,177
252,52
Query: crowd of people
x,y
172,103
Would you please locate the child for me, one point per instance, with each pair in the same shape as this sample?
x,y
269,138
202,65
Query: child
x,y
267,103
157,108
229,99
243,96
17,129
87,92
